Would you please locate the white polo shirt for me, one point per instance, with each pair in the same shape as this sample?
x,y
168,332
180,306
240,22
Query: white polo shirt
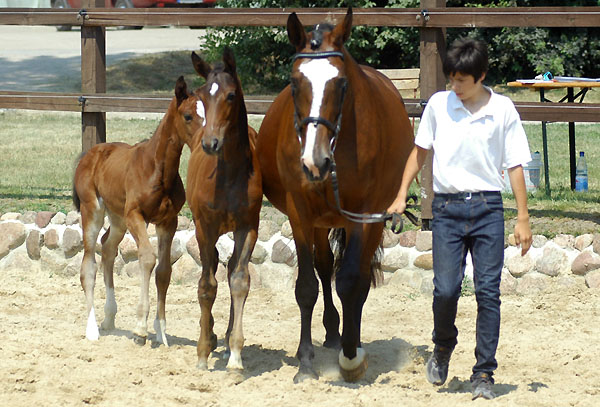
x,y
471,150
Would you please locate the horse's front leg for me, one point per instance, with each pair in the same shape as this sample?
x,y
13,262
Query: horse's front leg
x,y
207,293
352,285
165,232
324,266
147,259
239,286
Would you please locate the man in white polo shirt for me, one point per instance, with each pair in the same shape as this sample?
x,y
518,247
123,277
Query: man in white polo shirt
x,y
473,132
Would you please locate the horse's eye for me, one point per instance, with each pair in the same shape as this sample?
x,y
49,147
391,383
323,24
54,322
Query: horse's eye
x,y
187,117
230,96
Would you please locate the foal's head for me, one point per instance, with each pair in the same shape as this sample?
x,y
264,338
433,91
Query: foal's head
x,y
318,83
189,116
223,100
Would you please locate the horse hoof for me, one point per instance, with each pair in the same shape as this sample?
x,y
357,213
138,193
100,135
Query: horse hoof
x,y
333,343
139,340
353,370
202,365
305,374
235,362
107,325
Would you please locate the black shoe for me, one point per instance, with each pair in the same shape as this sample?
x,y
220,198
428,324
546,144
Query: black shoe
x,y
437,365
482,386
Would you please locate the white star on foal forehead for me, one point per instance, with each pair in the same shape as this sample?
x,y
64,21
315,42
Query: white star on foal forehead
x,y
214,89
318,72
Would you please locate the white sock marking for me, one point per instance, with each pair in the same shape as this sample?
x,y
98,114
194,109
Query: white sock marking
x,y
318,72
91,330
351,364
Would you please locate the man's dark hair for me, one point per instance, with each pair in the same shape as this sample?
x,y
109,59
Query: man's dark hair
x,y
467,56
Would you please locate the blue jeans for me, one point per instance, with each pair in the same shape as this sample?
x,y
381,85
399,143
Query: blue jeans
x,y
475,223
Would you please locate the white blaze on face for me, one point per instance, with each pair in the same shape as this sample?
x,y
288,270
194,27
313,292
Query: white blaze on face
x,y
214,88
201,112
318,72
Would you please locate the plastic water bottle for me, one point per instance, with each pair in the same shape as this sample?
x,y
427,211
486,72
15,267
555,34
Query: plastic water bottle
x,y
581,174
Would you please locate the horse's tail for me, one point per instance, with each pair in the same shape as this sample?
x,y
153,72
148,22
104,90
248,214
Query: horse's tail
x,y
337,240
76,200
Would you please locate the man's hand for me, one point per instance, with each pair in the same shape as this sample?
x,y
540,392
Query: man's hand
x,y
523,235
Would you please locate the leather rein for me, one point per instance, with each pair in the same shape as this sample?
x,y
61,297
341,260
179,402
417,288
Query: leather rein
x,y
397,222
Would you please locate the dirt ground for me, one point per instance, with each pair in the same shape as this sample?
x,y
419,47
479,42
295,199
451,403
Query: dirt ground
x,y
548,353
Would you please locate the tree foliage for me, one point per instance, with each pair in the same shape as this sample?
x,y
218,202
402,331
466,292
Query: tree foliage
x,y
263,54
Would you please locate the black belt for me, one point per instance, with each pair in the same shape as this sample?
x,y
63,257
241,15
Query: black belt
x,y
465,196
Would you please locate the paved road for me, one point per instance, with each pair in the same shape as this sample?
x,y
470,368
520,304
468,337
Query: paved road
x,y
38,58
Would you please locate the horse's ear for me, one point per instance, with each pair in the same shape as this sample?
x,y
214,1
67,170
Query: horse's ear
x,y
203,68
296,32
341,32
229,60
181,92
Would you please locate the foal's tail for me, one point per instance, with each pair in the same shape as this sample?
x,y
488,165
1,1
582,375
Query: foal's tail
x,y
337,240
76,200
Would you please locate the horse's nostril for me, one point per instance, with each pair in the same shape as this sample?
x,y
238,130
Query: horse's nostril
x,y
215,144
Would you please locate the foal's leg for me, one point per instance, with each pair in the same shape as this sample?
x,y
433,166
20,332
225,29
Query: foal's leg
x,y
324,266
147,260
207,292
110,246
239,285
92,218
165,232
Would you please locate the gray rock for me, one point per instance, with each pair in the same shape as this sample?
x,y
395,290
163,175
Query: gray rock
x,y
390,239
272,214
72,242
128,249
51,239
132,269
519,265
185,270
58,219
12,235
592,279
553,261
286,230
539,241
511,240
564,241
394,259
596,243
424,240
508,283
407,277
225,247
52,262
259,254
266,229
427,283
532,283
408,238
73,267
177,249
193,250
277,276
28,217
584,241
34,243
10,216
585,262
221,274
73,218
284,253
424,261
183,223
42,219
18,260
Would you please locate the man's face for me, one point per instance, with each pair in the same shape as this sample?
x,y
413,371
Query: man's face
x,y
464,85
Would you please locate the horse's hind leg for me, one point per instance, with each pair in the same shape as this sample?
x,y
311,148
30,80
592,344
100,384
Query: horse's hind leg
x,y
239,286
147,260
324,266
92,218
165,232
110,246
207,292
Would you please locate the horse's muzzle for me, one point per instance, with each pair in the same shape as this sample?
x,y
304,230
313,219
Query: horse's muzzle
x,y
315,173
211,146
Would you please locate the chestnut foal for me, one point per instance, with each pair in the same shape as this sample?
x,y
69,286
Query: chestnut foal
x,y
224,192
134,185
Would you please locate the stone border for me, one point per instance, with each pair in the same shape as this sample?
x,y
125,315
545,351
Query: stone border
x,y
52,241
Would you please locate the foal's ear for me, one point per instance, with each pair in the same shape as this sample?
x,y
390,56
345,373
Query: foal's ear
x,y
296,32
181,92
203,68
229,60
341,32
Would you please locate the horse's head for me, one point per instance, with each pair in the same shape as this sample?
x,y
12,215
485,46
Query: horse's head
x,y
222,97
188,119
318,83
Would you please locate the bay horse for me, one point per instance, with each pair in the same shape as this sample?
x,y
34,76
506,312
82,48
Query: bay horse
x,y
332,148
224,192
134,185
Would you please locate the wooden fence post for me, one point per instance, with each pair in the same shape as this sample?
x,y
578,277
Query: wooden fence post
x,y
432,48
93,77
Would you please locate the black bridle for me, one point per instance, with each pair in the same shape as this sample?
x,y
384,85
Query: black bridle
x,y
397,223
